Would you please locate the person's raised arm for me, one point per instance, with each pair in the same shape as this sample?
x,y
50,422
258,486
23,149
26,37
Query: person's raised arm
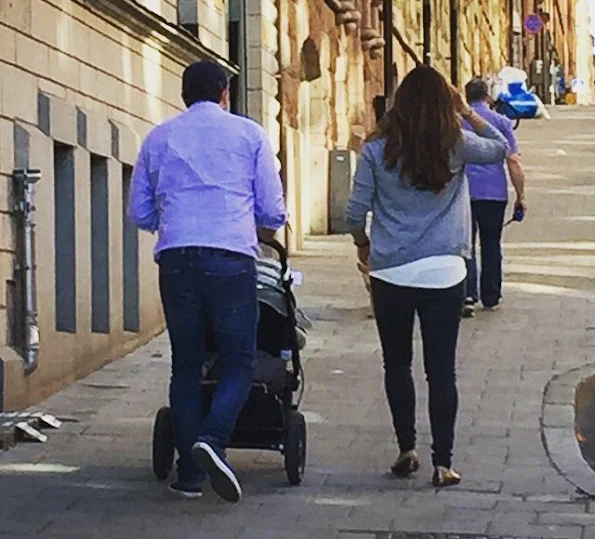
x,y
485,145
269,204
142,210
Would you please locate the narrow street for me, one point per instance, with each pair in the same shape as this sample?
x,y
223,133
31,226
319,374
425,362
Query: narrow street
x,y
93,476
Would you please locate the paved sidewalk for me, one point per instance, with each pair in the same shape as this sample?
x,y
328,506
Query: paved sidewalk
x,y
93,477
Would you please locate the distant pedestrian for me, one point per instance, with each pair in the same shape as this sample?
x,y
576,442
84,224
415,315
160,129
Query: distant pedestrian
x,y
411,175
489,197
206,182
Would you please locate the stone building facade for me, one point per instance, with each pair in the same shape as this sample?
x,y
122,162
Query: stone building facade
x,y
482,29
81,83
314,67
585,42
491,35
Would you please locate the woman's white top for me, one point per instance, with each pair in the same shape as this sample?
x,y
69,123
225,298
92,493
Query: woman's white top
x,y
443,271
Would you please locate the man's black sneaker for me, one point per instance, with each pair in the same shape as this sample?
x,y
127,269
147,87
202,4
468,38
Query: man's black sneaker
x,y
223,479
188,491
469,308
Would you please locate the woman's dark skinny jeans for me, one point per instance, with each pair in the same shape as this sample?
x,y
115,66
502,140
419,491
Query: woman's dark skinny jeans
x,y
439,311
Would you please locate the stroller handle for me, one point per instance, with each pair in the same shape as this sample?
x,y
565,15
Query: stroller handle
x,y
280,250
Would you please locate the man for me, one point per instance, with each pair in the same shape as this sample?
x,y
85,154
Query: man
x,y
489,197
206,182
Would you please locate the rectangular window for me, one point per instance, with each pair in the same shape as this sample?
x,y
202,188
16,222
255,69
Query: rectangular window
x,y
100,277
64,238
236,31
130,279
188,16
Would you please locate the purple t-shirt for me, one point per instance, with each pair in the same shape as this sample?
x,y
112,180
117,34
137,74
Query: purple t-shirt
x,y
489,182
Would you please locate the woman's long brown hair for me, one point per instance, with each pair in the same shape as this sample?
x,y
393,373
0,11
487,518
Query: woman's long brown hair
x,y
421,130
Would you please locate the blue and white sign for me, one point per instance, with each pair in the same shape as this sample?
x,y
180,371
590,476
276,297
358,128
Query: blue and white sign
x,y
533,23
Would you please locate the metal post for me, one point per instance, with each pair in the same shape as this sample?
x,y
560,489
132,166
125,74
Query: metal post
x,y
454,42
427,31
243,75
26,179
511,37
387,20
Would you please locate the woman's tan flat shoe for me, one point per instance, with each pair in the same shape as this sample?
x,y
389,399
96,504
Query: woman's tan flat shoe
x,y
406,465
445,477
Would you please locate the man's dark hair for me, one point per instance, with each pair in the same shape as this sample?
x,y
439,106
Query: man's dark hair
x,y
203,81
476,90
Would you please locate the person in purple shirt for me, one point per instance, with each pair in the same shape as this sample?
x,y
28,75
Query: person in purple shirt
x,y
488,186
206,182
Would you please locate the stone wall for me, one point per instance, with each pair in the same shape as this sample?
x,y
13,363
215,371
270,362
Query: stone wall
x,y
583,65
483,36
262,36
327,87
484,31
212,21
168,9
88,85
208,19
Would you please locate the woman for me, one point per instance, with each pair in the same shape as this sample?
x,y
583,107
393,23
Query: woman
x,y
411,175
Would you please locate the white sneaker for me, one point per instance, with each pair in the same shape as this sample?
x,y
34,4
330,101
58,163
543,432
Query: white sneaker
x,y
223,480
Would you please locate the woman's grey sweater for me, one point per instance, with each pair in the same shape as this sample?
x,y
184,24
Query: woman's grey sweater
x,y
409,224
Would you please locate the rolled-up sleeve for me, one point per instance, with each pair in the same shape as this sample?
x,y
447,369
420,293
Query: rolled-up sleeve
x,y
362,195
142,210
508,131
486,147
269,204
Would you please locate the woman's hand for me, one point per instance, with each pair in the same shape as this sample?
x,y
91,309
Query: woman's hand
x,y
460,103
363,254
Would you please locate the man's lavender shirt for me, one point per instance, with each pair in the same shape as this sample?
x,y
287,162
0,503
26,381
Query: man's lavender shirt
x,y
489,182
207,178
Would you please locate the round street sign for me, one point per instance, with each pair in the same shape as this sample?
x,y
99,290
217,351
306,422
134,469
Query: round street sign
x,y
533,23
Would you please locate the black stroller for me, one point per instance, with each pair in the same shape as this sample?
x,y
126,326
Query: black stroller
x,y
270,419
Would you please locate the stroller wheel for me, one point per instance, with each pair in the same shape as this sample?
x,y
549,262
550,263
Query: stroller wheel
x,y
163,444
295,448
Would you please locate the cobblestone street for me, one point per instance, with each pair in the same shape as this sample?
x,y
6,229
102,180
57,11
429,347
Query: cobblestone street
x,y
93,477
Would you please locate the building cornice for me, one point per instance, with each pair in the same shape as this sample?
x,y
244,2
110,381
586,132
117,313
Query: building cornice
x,y
179,44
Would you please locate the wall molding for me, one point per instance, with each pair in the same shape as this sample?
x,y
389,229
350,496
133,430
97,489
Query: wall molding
x,y
180,44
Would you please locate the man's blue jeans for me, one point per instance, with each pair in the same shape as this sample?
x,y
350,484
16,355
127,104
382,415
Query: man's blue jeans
x,y
199,286
488,221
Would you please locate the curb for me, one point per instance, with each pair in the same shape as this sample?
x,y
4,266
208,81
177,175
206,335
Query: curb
x,y
558,428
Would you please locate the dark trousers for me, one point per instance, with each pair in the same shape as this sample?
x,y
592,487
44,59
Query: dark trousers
x,y
488,221
200,286
439,313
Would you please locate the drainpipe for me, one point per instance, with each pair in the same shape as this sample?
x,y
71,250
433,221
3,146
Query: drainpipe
x,y
387,23
281,156
427,30
454,42
511,35
243,75
25,179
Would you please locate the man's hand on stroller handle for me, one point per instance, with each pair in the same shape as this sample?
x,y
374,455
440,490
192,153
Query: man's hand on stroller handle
x,y
266,235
